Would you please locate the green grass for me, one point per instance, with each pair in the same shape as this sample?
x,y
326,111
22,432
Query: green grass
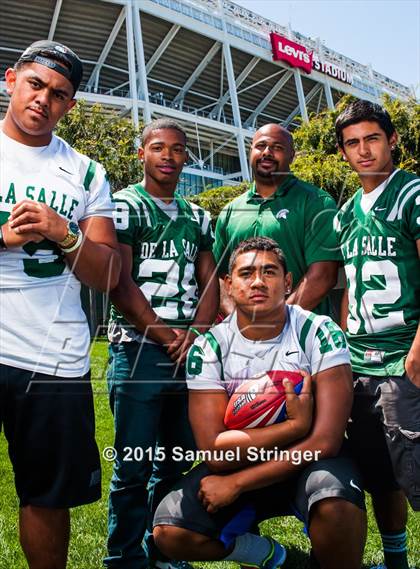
x,y
89,532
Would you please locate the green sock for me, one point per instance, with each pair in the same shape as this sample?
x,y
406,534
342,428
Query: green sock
x,y
395,549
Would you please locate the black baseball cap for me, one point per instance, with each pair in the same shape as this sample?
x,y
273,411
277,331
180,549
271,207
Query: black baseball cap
x,y
52,54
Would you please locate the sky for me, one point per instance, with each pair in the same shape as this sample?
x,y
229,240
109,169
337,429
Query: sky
x,y
383,33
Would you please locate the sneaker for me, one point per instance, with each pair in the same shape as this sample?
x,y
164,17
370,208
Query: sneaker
x,y
274,559
171,564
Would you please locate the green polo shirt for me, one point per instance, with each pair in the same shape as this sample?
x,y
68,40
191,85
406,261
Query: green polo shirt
x,y
298,216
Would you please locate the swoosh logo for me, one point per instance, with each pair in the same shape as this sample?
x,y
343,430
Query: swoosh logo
x,y
66,171
355,486
290,353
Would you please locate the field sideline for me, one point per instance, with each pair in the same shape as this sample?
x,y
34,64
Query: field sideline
x,y
87,545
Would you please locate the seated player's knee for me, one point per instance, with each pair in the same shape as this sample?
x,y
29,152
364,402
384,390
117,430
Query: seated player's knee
x,y
174,542
165,539
337,512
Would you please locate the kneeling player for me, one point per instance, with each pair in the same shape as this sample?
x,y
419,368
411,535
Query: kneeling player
x,y
210,514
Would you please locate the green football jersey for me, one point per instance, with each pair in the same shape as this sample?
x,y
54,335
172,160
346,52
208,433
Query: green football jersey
x,y
165,249
383,274
298,216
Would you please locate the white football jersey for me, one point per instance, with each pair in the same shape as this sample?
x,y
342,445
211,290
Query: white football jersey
x,y
223,358
44,328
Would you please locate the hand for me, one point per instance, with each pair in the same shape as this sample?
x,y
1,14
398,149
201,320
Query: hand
x,y
13,239
174,347
412,367
218,491
299,407
32,217
178,349
180,336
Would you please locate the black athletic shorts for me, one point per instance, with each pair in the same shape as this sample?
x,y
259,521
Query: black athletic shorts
x,y
328,478
384,434
50,427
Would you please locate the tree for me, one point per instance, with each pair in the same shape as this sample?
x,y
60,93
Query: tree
x,y
406,119
215,199
319,162
111,140
106,138
317,158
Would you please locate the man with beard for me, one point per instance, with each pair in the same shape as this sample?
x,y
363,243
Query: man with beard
x,y
297,215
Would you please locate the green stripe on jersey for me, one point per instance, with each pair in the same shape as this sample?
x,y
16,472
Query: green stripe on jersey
x,y
305,330
90,174
214,344
404,194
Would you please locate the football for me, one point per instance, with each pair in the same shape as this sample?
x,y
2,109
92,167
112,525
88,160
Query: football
x,y
261,400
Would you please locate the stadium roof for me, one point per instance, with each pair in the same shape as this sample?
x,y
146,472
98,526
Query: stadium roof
x,y
207,63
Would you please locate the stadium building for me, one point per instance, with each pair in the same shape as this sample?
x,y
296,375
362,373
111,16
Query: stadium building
x,y
219,69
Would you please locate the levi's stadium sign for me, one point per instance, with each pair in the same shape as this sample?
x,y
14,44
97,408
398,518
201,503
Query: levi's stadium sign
x,y
332,70
297,55
291,52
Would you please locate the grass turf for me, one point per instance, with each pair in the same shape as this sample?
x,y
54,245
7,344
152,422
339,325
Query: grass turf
x,y
87,546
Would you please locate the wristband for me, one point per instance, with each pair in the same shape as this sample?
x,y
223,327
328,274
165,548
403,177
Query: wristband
x,y
194,330
76,245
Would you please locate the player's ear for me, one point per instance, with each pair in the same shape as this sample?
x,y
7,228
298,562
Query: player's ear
x,y
343,154
140,153
228,284
70,105
393,139
292,155
288,283
10,77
